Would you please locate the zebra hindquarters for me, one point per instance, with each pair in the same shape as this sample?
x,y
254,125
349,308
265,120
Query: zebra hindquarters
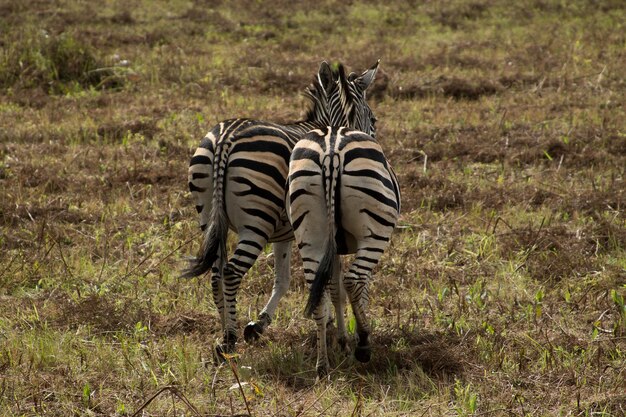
x,y
307,208
237,179
369,207
255,179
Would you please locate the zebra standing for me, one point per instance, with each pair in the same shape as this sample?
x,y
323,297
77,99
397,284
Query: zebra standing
x,y
237,178
343,198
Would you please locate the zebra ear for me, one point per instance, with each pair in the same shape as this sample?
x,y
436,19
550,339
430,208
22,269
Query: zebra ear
x,y
367,78
325,76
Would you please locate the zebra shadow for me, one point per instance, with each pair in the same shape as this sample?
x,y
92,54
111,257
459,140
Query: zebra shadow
x,y
438,355
424,359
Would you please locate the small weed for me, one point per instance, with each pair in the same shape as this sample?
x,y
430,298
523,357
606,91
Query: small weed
x,y
86,397
466,401
619,327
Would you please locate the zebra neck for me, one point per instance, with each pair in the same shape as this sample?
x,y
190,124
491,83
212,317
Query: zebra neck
x,y
298,129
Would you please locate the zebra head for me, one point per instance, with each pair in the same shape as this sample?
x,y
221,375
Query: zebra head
x,y
345,99
318,113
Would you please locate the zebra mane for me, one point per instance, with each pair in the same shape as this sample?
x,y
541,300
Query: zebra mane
x,y
338,99
318,110
342,100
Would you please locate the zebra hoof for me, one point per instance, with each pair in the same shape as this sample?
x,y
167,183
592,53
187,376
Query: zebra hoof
x,y
227,346
252,332
221,351
363,353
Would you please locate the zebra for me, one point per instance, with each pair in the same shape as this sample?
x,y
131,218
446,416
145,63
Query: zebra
x,y
343,198
237,178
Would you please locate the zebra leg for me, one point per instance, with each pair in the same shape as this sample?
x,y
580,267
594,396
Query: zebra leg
x,y
321,319
356,285
355,282
232,281
282,260
247,251
338,297
217,286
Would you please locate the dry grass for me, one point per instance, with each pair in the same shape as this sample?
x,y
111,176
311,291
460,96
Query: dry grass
x,y
503,290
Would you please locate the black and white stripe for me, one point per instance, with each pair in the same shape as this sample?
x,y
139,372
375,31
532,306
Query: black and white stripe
x,y
343,198
237,178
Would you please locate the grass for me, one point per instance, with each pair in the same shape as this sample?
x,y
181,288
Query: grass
x,y
502,292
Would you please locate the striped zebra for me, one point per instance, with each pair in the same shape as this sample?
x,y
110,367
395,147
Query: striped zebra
x,y
342,198
237,178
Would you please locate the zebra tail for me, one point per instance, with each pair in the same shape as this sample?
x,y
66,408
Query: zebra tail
x,y
327,265
322,277
214,245
213,248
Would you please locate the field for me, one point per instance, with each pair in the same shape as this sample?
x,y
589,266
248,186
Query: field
x,y
503,291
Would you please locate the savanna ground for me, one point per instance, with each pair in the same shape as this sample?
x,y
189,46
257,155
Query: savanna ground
x,y
502,292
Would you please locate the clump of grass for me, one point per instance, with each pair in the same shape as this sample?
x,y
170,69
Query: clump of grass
x,y
57,63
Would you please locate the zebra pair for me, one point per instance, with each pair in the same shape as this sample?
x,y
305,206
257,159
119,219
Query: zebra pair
x,y
238,176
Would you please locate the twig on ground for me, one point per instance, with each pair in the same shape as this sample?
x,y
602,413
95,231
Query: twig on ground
x,y
358,407
148,256
67,268
175,392
313,403
232,368
306,391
